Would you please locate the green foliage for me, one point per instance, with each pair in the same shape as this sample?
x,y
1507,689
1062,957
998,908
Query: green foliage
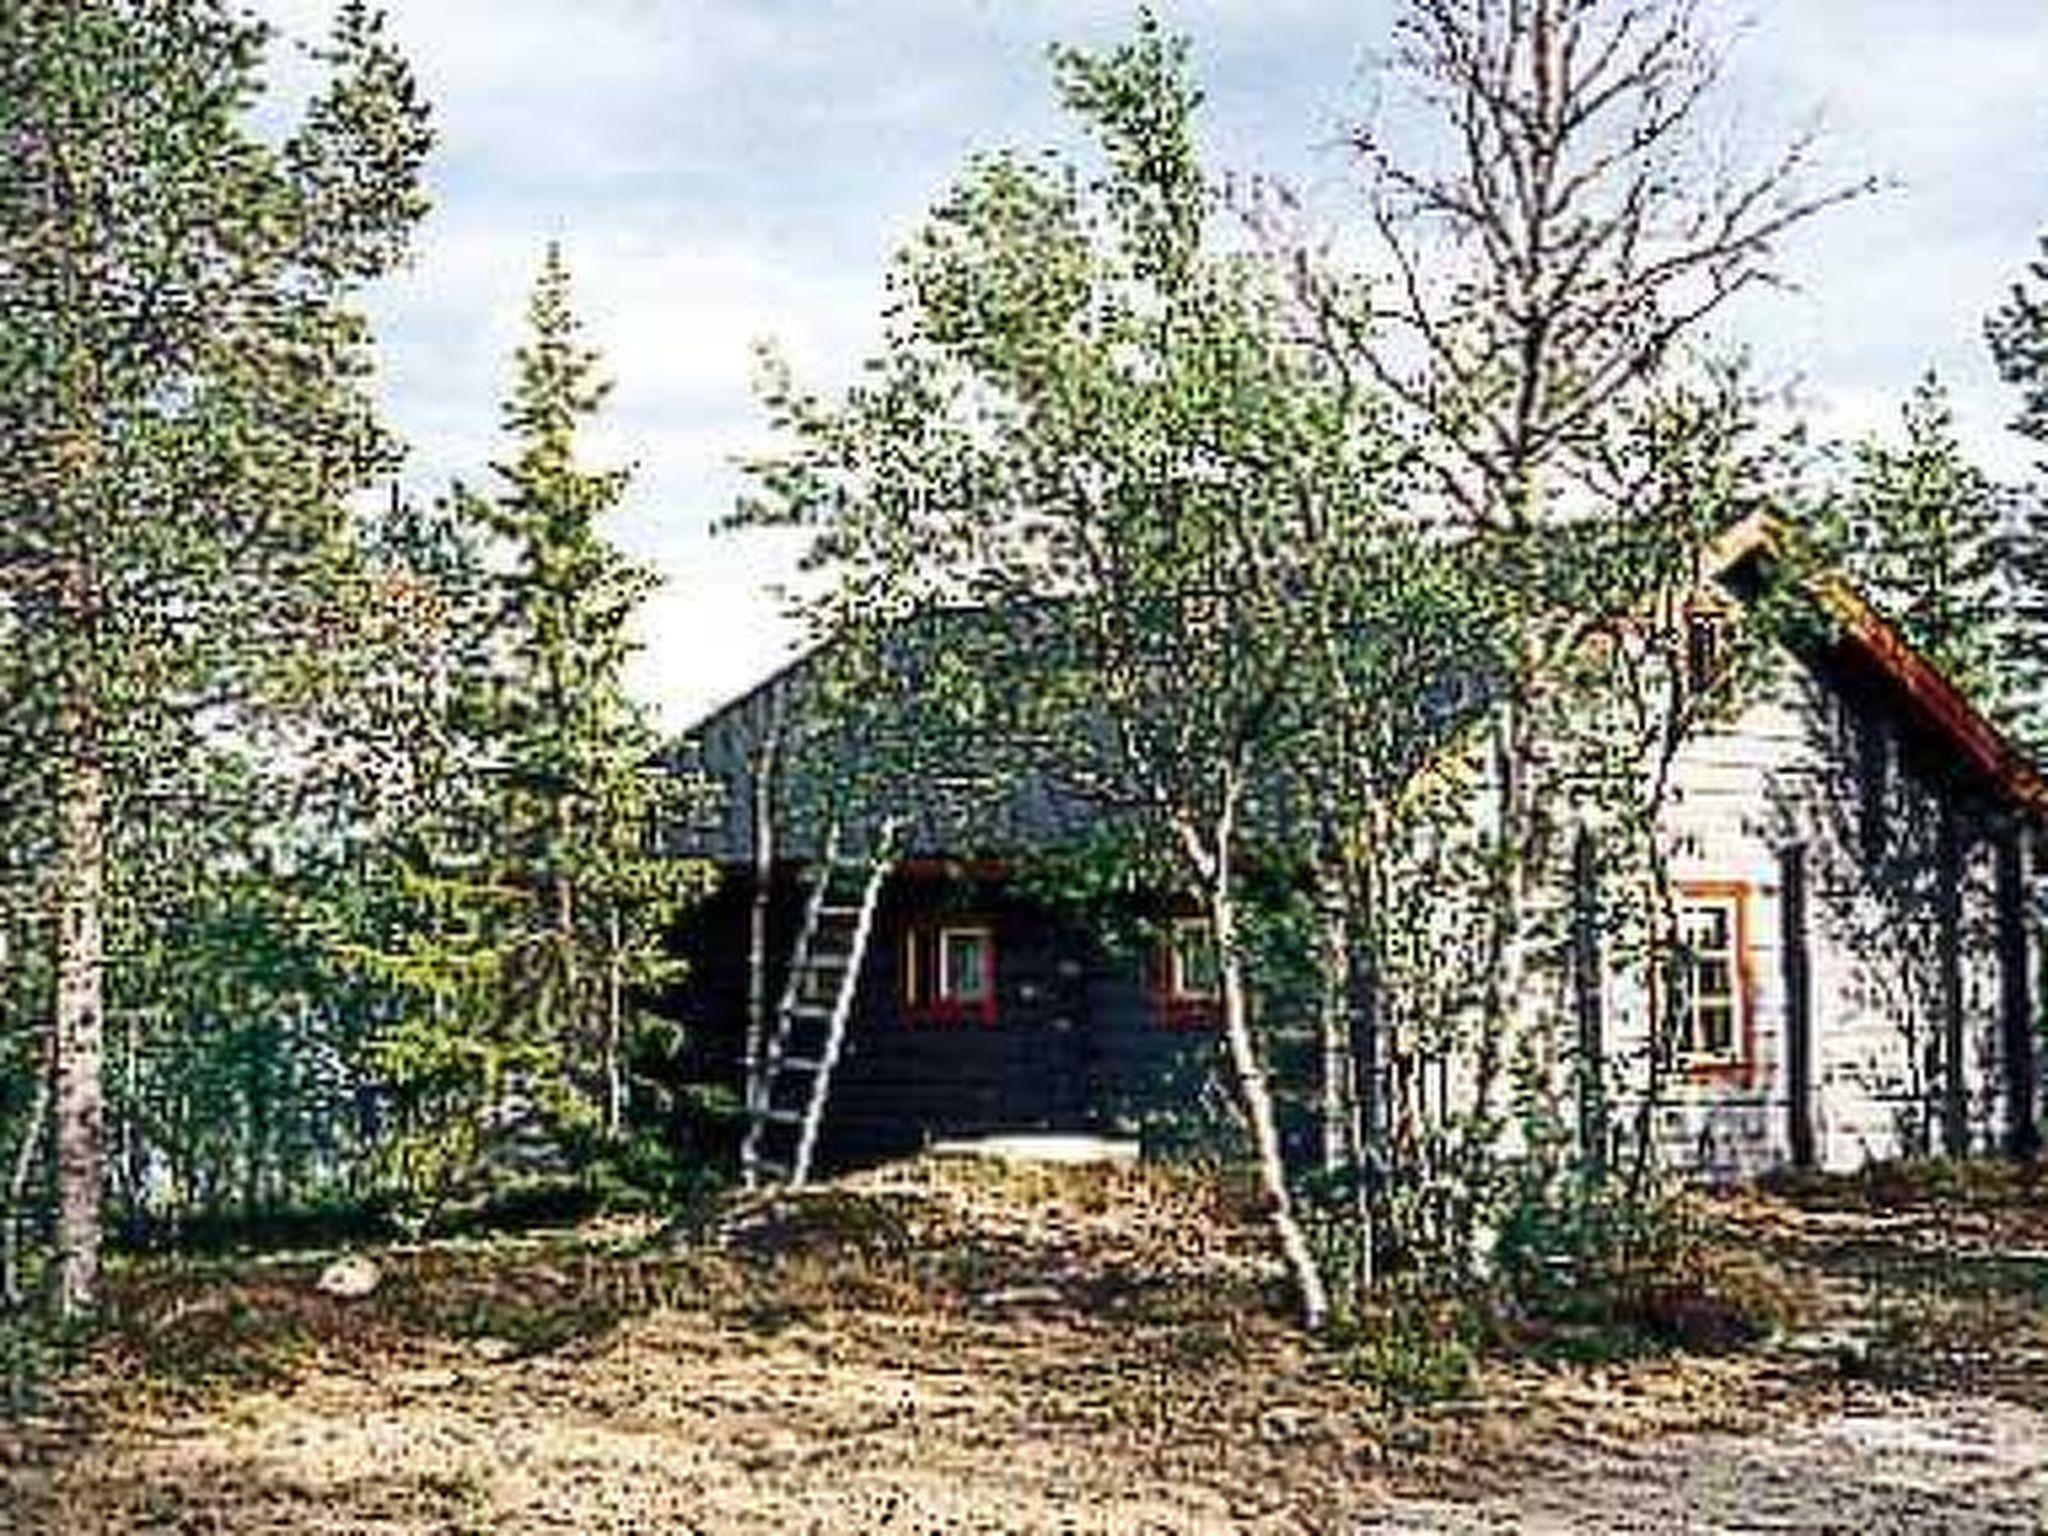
x,y
2018,335
185,396
534,896
1924,540
1594,1271
1413,1352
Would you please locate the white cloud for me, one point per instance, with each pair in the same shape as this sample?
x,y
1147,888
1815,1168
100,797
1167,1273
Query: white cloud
x,y
727,170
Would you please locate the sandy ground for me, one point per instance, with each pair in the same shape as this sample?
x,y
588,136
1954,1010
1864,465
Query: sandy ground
x,y
1889,1465
674,1427
1014,1411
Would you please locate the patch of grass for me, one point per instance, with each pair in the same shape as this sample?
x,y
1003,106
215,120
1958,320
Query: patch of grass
x,y
823,1221
212,1335
1412,1351
1907,1185
536,1300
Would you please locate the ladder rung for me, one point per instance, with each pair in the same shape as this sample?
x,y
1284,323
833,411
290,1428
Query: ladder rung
x,y
838,909
780,1116
768,1165
799,1064
810,1010
829,961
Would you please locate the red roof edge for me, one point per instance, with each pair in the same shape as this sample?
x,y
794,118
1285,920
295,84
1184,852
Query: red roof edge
x,y
1939,702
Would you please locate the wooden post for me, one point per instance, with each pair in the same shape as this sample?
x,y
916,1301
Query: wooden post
x,y
2015,1002
762,769
1797,962
1955,1116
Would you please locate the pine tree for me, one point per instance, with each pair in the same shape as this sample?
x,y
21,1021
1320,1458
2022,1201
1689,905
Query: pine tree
x,y
184,404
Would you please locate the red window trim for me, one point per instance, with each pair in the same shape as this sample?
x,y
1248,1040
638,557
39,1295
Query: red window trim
x,y
1176,1009
1740,1067
921,961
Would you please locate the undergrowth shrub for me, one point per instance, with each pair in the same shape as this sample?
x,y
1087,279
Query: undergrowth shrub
x,y
1599,1272
27,1363
1413,1348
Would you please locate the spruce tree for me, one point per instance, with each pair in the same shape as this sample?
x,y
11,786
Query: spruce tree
x,y
536,896
2018,335
1924,539
582,788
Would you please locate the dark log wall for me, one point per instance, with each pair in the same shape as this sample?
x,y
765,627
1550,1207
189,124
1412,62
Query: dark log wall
x,y
1078,1040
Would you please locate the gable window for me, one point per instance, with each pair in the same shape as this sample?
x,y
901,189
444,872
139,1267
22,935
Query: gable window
x,y
967,963
949,971
1713,935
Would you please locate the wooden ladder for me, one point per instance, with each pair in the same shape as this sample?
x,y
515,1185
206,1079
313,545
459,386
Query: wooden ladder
x,y
786,1097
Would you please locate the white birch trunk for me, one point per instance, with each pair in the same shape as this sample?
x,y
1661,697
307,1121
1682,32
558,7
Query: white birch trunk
x,y
614,1027
758,911
1257,1096
80,1026
1332,1019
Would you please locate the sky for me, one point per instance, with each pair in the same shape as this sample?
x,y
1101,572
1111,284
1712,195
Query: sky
x,y
726,173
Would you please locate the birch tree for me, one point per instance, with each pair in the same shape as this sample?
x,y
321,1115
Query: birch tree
x,y
1554,216
1088,447
184,404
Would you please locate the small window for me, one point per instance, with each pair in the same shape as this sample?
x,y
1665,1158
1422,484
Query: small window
x,y
949,972
966,965
1183,975
1192,975
1711,931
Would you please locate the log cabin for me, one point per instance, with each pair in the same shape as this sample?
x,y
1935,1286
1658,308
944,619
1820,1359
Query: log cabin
x,y
1855,850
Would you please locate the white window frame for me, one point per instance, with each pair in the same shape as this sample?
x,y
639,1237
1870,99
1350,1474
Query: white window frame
x,y
1730,901
1177,987
943,987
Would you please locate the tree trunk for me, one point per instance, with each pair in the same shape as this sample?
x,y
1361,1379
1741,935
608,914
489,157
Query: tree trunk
x,y
79,1091
1257,1095
614,1027
1333,1013
1505,979
1590,1059
17,1194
